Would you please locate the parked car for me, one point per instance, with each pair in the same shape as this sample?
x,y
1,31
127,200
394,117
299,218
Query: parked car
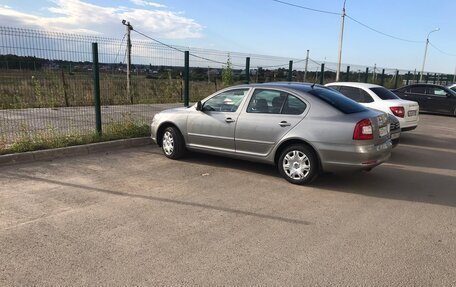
x,y
395,129
377,97
303,129
432,98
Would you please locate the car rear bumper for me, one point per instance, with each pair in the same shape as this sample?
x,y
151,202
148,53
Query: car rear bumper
x,y
362,157
406,129
408,125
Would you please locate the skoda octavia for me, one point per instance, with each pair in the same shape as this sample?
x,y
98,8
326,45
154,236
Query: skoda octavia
x,y
303,129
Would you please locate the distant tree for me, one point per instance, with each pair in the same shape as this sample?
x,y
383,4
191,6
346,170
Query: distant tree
x,y
227,73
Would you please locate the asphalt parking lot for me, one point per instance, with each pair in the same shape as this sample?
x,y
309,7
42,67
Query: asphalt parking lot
x,y
133,217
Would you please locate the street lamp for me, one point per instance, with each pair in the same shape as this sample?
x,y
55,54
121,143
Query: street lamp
x,y
425,52
342,20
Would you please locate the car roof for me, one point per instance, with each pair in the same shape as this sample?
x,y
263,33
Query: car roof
x,y
298,86
424,84
354,84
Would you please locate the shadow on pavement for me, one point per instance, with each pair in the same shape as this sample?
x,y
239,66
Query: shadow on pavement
x,y
159,199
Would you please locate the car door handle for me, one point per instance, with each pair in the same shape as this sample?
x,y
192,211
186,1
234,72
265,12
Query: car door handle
x,y
284,124
229,120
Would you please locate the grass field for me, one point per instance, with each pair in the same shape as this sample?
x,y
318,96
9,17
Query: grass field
x,y
52,88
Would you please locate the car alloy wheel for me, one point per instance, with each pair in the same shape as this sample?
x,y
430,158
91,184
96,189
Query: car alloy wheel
x,y
168,143
298,164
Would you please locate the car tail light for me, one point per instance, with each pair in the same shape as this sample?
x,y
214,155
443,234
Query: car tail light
x,y
363,130
398,111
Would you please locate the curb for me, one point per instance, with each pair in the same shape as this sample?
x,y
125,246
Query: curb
x,y
55,153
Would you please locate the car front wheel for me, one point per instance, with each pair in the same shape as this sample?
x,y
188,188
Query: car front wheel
x,y
298,164
172,143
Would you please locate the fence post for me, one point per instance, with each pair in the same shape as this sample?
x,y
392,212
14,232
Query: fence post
x,y
322,74
247,70
290,71
347,76
366,77
186,78
382,78
418,78
427,78
397,79
96,88
435,77
408,78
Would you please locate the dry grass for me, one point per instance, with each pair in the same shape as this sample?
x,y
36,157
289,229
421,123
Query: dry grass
x,y
48,88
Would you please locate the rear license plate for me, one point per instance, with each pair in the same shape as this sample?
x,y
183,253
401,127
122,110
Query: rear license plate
x,y
411,113
394,136
383,131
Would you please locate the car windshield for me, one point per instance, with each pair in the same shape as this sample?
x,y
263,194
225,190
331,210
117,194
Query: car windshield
x,y
384,94
337,100
453,88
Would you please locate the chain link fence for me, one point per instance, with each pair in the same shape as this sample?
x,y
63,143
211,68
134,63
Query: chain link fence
x,y
46,88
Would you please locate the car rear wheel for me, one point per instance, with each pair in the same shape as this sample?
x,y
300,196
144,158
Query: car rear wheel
x,y
172,143
298,164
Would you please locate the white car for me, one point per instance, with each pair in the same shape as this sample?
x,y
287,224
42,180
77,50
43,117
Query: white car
x,y
377,97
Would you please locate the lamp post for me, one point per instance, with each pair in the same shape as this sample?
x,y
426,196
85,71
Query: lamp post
x,y
425,52
342,20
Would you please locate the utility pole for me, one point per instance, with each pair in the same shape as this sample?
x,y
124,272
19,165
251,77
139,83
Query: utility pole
x,y
425,52
342,20
307,63
454,76
374,73
129,28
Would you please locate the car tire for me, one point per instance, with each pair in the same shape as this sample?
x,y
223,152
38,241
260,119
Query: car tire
x,y
173,145
395,142
298,164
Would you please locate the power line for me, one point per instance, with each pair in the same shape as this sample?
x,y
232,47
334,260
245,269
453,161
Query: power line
x,y
120,47
383,33
380,32
441,51
307,8
351,18
182,51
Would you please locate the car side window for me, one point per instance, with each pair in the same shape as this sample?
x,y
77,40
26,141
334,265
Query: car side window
x,y
417,90
227,101
293,106
350,92
365,97
266,101
275,102
436,92
356,94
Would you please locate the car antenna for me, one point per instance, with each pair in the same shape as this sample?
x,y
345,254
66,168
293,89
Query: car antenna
x,y
312,86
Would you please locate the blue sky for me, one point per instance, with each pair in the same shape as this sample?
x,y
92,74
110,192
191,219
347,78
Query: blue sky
x,y
263,26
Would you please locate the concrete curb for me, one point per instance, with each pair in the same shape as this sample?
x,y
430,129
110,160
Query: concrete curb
x,y
49,154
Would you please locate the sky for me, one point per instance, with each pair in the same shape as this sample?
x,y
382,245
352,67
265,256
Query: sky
x,y
264,26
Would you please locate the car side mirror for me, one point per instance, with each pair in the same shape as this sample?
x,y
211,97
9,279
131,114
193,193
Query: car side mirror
x,y
199,106
449,95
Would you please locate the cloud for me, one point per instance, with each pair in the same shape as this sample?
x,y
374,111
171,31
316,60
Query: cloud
x,y
76,16
147,3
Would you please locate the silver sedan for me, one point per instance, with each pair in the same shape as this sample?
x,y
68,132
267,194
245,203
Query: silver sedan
x,y
303,129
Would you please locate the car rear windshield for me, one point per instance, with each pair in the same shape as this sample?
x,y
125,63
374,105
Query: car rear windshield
x,y
384,94
337,100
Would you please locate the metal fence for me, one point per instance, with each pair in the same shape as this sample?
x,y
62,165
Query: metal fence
x,y
47,79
